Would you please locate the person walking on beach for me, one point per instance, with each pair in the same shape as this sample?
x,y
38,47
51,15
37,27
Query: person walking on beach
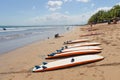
x,y
91,26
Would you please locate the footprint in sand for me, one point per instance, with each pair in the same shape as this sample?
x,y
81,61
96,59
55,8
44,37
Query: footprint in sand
x,y
28,75
94,75
118,38
113,44
51,78
42,56
52,43
81,73
100,74
10,79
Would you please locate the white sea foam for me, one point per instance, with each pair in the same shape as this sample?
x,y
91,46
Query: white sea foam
x,y
12,29
20,36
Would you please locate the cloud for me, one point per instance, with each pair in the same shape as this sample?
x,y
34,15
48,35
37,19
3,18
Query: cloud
x,y
118,3
92,5
98,9
54,18
102,8
66,12
85,1
67,0
54,5
34,7
59,19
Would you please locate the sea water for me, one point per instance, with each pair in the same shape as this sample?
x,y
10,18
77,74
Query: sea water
x,y
17,36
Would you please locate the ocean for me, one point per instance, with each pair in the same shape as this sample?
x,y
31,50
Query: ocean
x,y
12,37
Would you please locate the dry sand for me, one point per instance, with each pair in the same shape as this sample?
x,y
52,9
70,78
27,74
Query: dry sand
x,y
16,65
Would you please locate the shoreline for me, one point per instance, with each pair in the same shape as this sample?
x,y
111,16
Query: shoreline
x,y
24,41
16,65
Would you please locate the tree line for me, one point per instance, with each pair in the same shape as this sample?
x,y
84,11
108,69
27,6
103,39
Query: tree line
x,y
106,16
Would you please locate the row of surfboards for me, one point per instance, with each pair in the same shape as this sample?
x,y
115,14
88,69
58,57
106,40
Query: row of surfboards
x,y
77,53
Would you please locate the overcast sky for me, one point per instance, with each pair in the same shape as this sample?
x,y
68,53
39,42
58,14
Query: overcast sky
x,y
47,12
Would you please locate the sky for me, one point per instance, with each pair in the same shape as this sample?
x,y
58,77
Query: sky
x,y
50,12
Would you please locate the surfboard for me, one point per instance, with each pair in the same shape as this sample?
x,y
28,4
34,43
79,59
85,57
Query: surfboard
x,y
73,53
84,44
68,62
90,34
83,48
76,41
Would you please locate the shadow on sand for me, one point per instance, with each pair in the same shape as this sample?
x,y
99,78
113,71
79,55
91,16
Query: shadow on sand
x,y
101,65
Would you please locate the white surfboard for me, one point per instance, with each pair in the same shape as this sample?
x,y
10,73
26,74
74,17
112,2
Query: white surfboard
x,y
84,44
76,41
68,62
73,53
83,48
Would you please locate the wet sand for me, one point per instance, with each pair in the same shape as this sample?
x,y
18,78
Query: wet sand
x,y
17,64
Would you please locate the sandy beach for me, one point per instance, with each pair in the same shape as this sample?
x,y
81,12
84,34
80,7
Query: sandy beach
x,y
17,64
